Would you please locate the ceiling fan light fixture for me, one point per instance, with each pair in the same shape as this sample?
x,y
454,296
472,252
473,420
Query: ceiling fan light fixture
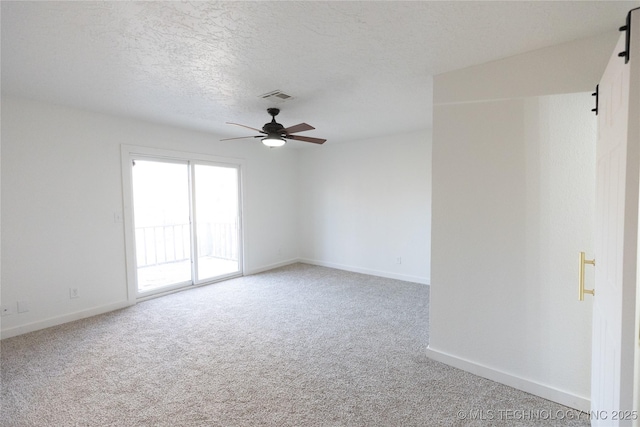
x,y
273,140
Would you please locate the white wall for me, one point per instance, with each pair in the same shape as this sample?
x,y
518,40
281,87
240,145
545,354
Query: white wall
x,y
366,203
62,183
512,207
513,204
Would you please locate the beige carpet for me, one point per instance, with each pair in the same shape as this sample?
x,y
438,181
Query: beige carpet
x,y
296,346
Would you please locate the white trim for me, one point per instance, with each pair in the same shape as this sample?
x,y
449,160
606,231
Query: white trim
x,y
59,320
547,392
179,155
127,218
386,274
272,266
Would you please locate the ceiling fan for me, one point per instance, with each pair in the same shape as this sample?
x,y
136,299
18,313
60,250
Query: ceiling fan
x,y
276,134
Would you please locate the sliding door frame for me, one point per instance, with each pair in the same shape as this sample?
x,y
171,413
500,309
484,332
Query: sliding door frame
x,y
132,152
195,220
177,285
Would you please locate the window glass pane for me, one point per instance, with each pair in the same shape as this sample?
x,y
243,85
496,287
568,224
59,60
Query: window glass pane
x,y
162,229
216,208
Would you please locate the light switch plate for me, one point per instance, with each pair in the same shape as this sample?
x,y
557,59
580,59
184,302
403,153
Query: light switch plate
x,y
23,306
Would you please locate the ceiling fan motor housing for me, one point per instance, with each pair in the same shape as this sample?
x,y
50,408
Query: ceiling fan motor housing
x,y
273,127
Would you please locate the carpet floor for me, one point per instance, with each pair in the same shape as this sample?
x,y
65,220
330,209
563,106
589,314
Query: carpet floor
x,y
296,346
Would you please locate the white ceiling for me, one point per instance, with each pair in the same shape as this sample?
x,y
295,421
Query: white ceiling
x,y
354,69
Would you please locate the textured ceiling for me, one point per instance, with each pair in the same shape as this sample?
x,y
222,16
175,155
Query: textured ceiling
x,y
354,69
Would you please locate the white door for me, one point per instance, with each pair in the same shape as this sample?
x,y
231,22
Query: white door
x,y
618,159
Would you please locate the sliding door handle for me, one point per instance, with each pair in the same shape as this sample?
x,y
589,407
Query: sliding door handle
x,y
581,289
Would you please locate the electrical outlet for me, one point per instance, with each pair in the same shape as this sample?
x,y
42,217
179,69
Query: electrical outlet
x,y
398,260
73,293
5,310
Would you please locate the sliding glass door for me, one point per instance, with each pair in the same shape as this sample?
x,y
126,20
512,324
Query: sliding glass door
x,y
187,223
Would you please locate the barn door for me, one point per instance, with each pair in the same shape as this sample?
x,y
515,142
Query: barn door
x,y
618,169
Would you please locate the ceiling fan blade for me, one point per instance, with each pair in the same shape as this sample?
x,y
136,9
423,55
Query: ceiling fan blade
x,y
298,128
306,139
242,137
248,127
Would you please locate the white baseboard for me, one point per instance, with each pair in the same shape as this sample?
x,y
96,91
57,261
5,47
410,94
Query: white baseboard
x,y
249,272
388,275
59,320
546,392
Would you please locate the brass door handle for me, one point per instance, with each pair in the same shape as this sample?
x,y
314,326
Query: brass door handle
x,y
581,289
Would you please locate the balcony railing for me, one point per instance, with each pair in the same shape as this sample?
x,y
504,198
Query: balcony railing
x,y
218,240
171,243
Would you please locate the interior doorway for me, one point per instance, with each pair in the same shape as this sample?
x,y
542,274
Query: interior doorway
x,y
186,222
